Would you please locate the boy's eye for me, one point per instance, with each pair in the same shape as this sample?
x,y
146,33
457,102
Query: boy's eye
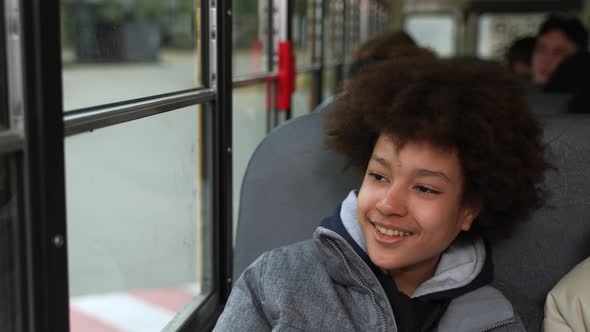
x,y
377,177
426,190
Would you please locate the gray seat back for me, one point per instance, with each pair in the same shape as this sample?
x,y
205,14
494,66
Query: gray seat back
x,y
292,182
557,237
548,104
325,105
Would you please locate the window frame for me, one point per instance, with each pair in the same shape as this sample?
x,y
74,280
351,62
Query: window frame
x,y
47,126
44,167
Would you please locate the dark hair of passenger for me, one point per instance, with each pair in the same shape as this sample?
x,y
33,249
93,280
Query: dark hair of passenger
x,y
573,77
381,45
570,26
478,109
521,50
380,48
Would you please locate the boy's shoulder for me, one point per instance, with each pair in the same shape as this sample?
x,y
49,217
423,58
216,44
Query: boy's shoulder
x,y
482,309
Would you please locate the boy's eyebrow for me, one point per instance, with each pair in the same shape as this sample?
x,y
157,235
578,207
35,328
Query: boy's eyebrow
x,y
427,172
381,160
419,172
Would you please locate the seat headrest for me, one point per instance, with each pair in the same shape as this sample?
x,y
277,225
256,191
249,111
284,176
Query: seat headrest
x,y
557,236
548,104
291,183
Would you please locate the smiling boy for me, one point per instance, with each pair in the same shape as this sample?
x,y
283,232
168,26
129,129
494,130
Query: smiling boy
x,y
448,152
409,209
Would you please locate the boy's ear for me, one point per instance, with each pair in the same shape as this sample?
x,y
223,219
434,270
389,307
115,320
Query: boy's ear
x,y
468,215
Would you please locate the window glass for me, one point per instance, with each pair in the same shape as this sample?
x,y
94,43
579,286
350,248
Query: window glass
x,y
329,82
9,267
497,31
301,33
302,96
328,35
250,44
118,50
250,115
139,227
436,31
352,24
3,77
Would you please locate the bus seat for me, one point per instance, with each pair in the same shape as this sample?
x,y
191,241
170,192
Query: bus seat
x,y
557,237
325,105
292,182
548,104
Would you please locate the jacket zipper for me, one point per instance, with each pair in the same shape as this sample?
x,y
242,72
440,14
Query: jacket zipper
x,y
360,283
502,324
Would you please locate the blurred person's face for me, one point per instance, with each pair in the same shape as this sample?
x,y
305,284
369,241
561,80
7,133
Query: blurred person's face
x,y
410,207
551,49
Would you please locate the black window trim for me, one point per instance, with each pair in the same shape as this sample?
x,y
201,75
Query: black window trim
x,y
44,167
89,119
44,170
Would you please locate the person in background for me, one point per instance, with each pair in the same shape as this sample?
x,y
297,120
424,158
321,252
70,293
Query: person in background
x,y
558,38
572,77
519,56
396,43
567,308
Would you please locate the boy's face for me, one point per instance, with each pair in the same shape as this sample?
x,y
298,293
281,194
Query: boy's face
x,y
551,49
409,205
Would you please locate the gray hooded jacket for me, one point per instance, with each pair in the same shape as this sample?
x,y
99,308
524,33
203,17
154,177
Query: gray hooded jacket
x,y
324,285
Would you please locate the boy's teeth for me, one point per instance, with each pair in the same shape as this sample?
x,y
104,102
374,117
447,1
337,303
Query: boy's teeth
x,y
391,232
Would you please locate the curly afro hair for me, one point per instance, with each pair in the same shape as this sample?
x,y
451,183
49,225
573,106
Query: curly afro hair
x,y
476,108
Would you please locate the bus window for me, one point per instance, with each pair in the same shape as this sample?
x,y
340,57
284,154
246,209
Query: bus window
x,y
435,31
250,44
120,50
301,33
251,100
137,222
141,123
497,31
355,23
249,128
302,96
331,22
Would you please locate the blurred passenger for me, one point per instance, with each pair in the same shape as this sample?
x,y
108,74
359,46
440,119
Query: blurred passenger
x,y
519,56
396,44
572,76
567,308
392,44
405,252
558,38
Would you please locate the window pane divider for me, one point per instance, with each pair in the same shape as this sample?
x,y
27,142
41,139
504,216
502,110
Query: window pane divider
x,y
90,119
247,80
